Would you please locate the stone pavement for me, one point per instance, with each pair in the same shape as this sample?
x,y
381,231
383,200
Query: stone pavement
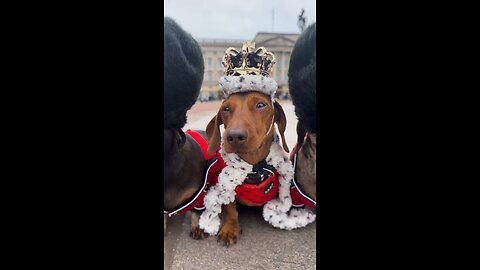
x,y
260,246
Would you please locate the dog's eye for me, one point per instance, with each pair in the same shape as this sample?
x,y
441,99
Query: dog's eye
x,y
226,109
260,105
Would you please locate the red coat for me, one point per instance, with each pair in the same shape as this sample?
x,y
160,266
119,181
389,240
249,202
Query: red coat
x,y
252,193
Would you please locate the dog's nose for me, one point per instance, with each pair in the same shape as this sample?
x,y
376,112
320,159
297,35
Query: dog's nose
x,y
237,136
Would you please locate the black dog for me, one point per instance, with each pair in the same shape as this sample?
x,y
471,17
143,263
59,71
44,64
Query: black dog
x,y
303,90
183,161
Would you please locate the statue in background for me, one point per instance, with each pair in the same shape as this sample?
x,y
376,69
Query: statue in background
x,y
302,21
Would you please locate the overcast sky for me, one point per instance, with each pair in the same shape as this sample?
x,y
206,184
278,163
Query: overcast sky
x,y
228,19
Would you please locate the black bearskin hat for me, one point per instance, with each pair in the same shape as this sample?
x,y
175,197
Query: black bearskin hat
x,y
302,80
182,72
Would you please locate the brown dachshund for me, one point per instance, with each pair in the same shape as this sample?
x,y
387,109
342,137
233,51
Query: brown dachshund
x,y
247,118
184,168
306,162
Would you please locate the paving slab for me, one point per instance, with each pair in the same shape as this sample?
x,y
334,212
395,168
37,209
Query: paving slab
x,y
260,247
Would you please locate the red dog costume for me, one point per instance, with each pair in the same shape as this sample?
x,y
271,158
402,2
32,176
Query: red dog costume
x,y
254,193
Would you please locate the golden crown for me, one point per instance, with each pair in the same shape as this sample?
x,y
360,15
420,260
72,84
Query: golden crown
x,y
249,61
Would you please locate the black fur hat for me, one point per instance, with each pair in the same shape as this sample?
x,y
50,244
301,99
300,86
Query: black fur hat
x,y
302,78
182,72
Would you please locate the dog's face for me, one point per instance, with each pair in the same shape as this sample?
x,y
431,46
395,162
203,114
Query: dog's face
x,y
248,120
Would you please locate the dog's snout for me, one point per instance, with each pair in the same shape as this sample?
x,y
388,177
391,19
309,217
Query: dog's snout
x,y
237,136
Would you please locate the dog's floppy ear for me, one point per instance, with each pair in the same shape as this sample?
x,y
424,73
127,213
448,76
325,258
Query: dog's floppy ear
x,y
301,132
179,137
281,121
213,133
174,139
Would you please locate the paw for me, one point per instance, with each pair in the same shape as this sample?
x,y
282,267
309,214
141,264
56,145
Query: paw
x,y
197,233
229,234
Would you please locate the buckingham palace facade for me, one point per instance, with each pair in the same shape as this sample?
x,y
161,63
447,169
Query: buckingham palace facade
x,y
213,50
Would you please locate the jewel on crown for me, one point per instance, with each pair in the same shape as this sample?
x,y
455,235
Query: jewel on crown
x,y
249,61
